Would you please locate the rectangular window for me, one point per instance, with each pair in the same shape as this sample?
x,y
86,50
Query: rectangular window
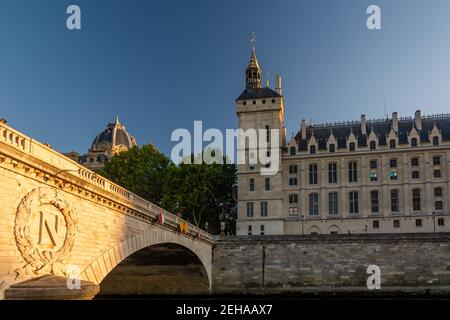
x,y
374,201
332,172
293,211
394,201
352,171
250,209
396,224
373,164
376,224
313,174
293,169
373,176
249,230
313,204
293,199
438,205
263,208
393,175
441,222
393,163
435,141
267,133
251,184
267,184
416,199
436,161
292,181
437,173
415,162
418,222
262,230
415,174
352,146
353,202
333,203
438,192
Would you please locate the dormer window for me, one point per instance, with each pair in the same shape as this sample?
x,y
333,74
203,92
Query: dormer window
x,y
373,145
332,147
352,146
435,141
292,151
254,101
244,103
392,144
414,142
264,102
312,149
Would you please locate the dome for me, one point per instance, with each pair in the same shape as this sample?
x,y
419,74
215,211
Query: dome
x,y
114,138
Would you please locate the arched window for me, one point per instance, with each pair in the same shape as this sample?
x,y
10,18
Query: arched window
x,y
292,151
352,146
392,144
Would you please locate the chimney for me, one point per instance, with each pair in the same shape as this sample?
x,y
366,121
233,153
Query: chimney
x,y
278,84
363,124
303,129
395,121
418,120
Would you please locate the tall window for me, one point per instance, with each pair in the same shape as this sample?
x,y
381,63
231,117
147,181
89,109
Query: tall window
x,y
392,144
415,174
249,230
352,171
373,145
267,184
292,169
393,163
353,202
332,172
415,162
312,149
352,146
435,141
251,184
333,203
263,208
292,151
313,174
394,201
267,133
293,204
437,160
293,181
414,142
332,147
261,232
313,204
416,199
374,201
373,164
250,209
438,192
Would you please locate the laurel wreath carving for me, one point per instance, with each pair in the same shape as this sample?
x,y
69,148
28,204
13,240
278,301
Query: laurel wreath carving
x,y
42,261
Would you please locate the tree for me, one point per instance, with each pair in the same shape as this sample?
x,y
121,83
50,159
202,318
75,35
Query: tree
x,y
201,193
141,170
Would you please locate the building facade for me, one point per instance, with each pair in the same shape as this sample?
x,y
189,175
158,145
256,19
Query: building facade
x,y
112,140
369,176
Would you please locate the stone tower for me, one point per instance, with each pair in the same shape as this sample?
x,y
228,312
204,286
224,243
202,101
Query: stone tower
x,y
260,196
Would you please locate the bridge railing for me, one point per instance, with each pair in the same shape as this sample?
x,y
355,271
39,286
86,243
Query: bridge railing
x,y
46,154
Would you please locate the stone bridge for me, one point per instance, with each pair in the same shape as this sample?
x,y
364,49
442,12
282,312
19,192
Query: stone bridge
x,y
59,219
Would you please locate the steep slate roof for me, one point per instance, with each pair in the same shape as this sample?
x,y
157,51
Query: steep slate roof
x,y
341,131
258,93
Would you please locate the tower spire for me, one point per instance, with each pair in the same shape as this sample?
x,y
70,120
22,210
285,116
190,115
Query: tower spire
x,y
117,119
253,72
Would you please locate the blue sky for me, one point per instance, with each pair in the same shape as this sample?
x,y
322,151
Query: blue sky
x,y
161,64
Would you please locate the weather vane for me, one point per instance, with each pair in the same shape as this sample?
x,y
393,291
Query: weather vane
x,y
253,40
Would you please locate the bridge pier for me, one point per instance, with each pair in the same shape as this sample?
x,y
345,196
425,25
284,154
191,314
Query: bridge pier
x,y
50,287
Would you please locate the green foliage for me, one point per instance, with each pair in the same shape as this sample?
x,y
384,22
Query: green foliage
x,y
199,192
140,170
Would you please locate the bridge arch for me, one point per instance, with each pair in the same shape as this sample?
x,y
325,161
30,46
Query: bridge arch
x,y
103,265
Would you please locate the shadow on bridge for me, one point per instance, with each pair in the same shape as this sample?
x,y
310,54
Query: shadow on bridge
x,y
162,269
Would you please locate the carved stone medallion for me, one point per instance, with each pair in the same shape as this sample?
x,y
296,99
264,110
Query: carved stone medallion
x,y
44,231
